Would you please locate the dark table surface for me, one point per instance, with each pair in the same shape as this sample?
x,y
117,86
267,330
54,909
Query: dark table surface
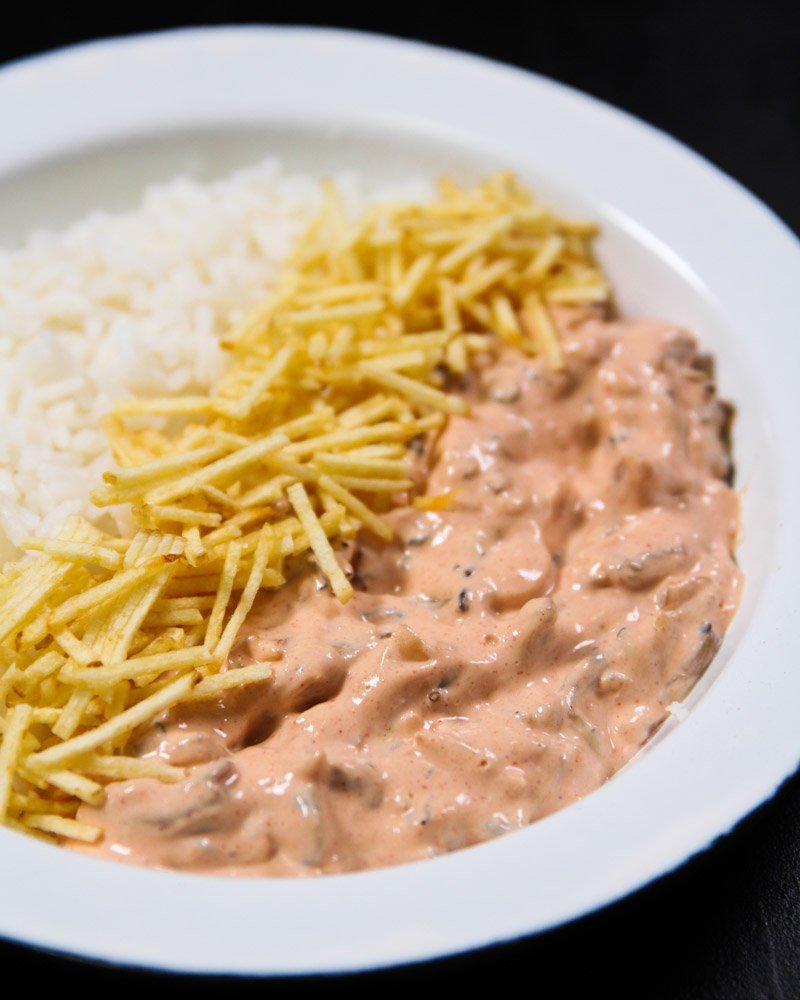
x,y
725,79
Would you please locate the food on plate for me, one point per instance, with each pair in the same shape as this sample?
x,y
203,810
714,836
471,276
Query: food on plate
x,y
431,557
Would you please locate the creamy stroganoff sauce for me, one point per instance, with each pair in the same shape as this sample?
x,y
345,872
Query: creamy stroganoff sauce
x,y
503,657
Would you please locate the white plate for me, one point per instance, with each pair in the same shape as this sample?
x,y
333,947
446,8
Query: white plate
x,y
91,125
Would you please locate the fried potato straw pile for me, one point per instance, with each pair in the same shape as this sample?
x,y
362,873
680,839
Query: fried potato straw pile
x,y
302,443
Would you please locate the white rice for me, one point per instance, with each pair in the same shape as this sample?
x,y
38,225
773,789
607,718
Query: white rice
x,y
129,304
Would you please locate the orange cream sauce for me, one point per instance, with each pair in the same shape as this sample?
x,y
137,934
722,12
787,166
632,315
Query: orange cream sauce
x,y
500,659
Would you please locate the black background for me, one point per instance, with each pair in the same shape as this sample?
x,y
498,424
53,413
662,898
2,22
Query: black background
x,y
725,79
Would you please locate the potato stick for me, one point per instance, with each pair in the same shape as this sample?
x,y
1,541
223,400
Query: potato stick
x,y
231,439
347,436
171,603
124,723
168,465
549,252
244,517
419,270
285,545
216,472
519,246
319,419
396,450
119,700
477,283
167,404
404,359
327,502
116,639
171,547
200,585
164,642
113,640
338,313
8,682
577,295
35,632
211,687
474,267
147,546
504,320
34,804
477,342
119,768
101,678
30,744
195,633
46,715
408,341
20,827
368,517
275,367
223,596
574,272
11,571
448,306
72,714
302,544
319,542
395,266
17,722
74,647
418,392
173,616
366,484
297,470
318,346
433,421
171,512
441,238
81,552
266,492
376,408
61,826
75,784
44,665
221,538
340,526
544,333
143,546
258,319
220,498
111,496
341,344
479,311
353,437
469,248
456,355
579,227
344,463
195,550
51,693
92,627
339,293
